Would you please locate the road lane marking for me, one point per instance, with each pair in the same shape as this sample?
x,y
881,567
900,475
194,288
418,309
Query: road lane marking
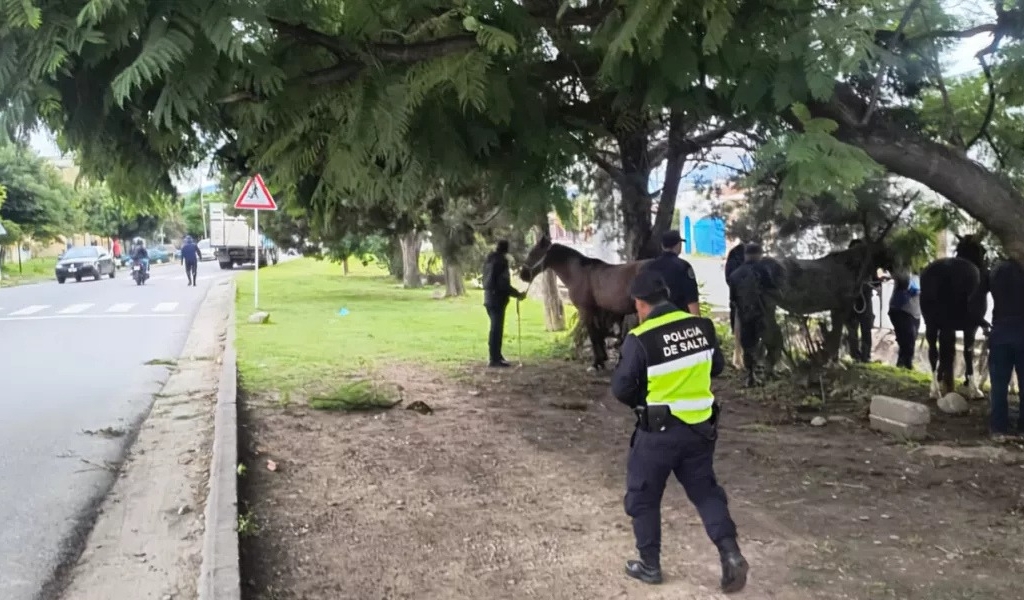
x,y
121,307
95,316
74,309
165,307
29,310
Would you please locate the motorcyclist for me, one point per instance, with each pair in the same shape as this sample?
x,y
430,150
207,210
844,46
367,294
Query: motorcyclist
x,y
140,254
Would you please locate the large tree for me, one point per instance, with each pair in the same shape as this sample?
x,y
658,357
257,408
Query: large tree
x,y
380,100
38,204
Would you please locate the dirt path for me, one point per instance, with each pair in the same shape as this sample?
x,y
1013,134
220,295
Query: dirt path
x,y
501,494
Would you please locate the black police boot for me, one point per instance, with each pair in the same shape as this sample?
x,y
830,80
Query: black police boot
x,y
734,566
638,569
501,362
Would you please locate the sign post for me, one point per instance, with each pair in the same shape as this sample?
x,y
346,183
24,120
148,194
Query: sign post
x,y
3,232
256,197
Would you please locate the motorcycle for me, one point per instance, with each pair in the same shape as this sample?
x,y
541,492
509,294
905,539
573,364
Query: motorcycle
x,y
139,273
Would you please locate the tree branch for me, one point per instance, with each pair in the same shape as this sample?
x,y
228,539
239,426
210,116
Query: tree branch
x,y
990,111
884,68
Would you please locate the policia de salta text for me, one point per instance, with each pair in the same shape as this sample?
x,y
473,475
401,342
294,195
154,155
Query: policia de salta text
x,y
665,376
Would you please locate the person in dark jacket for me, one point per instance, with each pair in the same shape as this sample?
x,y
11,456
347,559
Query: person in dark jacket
x,y
1006,342
140,254
190,255
858,328
665,377
733,260
497,291
677,273
905,316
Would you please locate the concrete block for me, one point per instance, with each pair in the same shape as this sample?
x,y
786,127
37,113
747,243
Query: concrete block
x,y
898,429
902,411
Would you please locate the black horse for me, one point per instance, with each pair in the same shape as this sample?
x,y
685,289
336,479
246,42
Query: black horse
x,y
954,297
598,290
733,261
803,287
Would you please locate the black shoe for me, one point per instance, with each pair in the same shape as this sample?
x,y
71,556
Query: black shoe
x,y
734,567
638,569
499,363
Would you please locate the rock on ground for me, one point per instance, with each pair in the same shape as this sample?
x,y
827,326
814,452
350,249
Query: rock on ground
x,y
953,404
147,541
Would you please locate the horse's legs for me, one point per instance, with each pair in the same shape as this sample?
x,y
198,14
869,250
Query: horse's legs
x,y
932,337
947,359
750,335
973,393
737,347
596,334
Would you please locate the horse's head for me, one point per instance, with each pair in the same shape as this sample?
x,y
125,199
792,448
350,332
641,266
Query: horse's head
x,y
534,262
874,255
969,247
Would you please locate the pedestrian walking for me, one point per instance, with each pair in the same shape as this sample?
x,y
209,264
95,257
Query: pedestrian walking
x,y
497,291
190,255
665,376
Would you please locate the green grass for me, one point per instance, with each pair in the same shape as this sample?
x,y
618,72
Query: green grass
x,y
31,271
309,347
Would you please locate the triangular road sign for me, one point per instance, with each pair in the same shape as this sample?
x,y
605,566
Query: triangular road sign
x,y
255,196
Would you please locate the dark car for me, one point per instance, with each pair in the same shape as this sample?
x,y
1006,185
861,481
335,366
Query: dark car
x,y
84,261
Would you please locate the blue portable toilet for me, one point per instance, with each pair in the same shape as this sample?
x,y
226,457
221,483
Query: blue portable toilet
x,y
709,236
687,238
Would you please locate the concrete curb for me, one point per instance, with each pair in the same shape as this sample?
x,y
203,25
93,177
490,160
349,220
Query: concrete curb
x,y
219,574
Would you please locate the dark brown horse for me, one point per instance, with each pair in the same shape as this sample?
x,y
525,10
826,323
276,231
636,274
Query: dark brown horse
x,y
598,290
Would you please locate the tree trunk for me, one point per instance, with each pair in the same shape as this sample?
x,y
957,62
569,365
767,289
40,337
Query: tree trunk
x,y
453,279
984,195
411,260
636,201
344,266
554,310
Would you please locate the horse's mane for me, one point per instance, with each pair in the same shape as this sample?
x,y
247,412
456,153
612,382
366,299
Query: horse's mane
x,y
560,253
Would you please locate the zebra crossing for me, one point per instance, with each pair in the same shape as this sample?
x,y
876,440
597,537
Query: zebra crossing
x,y
119,309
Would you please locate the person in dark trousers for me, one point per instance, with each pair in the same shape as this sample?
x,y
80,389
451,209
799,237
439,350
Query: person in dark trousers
x,y
905,316
677,273
190,255
139,253
665,377
1006,342
497,292
858,328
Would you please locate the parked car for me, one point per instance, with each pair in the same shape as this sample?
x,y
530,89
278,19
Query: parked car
x,y
162,253
84,261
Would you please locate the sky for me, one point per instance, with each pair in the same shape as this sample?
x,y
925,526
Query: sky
x,y
959,60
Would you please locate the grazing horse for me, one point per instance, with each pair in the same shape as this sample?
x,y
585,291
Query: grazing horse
x,y
802,287
597,289
954,297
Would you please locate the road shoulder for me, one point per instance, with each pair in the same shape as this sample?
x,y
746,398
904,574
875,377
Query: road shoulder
x,y
148,539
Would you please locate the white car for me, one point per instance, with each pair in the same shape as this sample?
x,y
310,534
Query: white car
x,y
206,250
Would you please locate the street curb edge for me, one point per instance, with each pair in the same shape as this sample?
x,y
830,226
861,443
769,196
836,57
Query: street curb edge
x,y
220,574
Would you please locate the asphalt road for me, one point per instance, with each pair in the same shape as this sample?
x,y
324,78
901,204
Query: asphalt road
x,y
72,361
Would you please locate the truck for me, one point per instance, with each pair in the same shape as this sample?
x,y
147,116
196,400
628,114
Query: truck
x,y
235,243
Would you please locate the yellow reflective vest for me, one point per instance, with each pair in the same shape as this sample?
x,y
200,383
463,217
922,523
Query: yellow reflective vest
x,y
679,350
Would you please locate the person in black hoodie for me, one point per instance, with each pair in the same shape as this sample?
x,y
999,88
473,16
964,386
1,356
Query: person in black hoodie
x,y
497,292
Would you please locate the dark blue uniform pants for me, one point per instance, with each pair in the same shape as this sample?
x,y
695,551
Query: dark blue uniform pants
x,y
191,266
495,336
688,451
1003,360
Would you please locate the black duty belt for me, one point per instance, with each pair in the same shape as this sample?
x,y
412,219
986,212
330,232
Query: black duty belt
x,y
655,418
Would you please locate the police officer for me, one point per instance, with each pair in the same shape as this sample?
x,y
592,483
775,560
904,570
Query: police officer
x,y
905,316
665,376
497,292
863,318
677,273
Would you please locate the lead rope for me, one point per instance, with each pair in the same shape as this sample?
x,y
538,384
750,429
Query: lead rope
x,y
519,314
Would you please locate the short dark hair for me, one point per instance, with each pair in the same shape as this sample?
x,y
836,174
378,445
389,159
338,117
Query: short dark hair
x,y
501,247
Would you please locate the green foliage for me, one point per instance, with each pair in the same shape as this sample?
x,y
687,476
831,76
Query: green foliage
x,y
37,203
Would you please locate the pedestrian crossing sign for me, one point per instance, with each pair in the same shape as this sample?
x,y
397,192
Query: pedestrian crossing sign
x,y
255,196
